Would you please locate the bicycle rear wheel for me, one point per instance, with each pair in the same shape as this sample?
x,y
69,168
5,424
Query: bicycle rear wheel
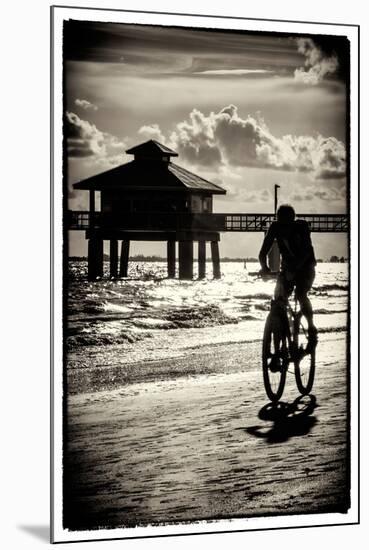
x,y
304,360
275,357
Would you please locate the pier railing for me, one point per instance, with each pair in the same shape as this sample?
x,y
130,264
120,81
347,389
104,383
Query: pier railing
x,y
173,221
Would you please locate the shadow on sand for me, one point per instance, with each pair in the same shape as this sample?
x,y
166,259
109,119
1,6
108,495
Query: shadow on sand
x,y
289,419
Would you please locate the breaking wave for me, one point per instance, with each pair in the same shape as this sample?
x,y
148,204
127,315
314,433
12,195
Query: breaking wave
x,y
149,310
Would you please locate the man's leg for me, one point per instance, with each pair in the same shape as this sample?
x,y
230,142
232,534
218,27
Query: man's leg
x,y
282,291
303,285
283,288
306,308
279,313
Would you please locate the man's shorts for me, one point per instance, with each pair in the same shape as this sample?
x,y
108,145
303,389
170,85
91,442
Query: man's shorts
x,y
302,281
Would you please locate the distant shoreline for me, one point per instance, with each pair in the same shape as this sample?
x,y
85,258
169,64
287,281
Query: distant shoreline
x,y
160,259
225,259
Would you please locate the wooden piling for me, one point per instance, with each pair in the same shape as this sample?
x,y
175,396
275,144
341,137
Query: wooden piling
x,y
92,208
100,258
185,257
113,258
171,258
215,259
95,258
202,259
91,260
124,256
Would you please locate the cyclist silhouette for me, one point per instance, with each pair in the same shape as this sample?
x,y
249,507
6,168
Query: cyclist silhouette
x,y
298,262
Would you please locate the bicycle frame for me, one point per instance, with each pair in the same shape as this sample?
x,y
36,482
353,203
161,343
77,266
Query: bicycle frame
x,y
281,346
293,317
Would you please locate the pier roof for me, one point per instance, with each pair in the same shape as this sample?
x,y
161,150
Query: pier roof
x,y
143,173
152,148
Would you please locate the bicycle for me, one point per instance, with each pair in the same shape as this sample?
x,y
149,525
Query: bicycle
x,y
285,341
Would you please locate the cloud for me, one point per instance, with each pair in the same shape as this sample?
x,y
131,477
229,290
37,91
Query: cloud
x,y
317,64
324,194
248,142
331,159
86,105
85,140
195,140
256,196
152,132
225,139
235,72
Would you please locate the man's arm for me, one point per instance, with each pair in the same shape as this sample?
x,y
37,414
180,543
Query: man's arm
x,y
266,246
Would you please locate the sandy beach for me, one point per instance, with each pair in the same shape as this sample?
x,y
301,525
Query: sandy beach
x,y
194,438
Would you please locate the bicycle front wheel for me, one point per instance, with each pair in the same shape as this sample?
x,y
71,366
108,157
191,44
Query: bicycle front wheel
x,y
304,360
275,357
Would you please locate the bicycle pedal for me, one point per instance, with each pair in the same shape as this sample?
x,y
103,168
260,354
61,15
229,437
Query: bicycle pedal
x,y
276,369
275,365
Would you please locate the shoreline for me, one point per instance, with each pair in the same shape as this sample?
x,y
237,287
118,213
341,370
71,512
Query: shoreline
x,y
229,358
218,358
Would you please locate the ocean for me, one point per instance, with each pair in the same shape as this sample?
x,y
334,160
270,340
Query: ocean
x,y
148,317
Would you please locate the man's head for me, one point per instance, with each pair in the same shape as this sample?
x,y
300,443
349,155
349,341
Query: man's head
x,y
285,213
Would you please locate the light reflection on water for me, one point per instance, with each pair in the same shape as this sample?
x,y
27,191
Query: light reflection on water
x,y
148,312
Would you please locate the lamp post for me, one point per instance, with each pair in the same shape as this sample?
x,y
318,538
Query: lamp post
x,y
274,256
276,187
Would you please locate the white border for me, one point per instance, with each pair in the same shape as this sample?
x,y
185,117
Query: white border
x,y
62,13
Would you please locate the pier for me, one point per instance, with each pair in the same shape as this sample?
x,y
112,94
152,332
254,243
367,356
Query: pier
x,y
153,199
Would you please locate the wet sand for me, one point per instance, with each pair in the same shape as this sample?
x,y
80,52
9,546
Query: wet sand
x,y
164,448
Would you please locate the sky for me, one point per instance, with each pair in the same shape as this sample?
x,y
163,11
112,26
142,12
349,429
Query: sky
x,y
243,110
